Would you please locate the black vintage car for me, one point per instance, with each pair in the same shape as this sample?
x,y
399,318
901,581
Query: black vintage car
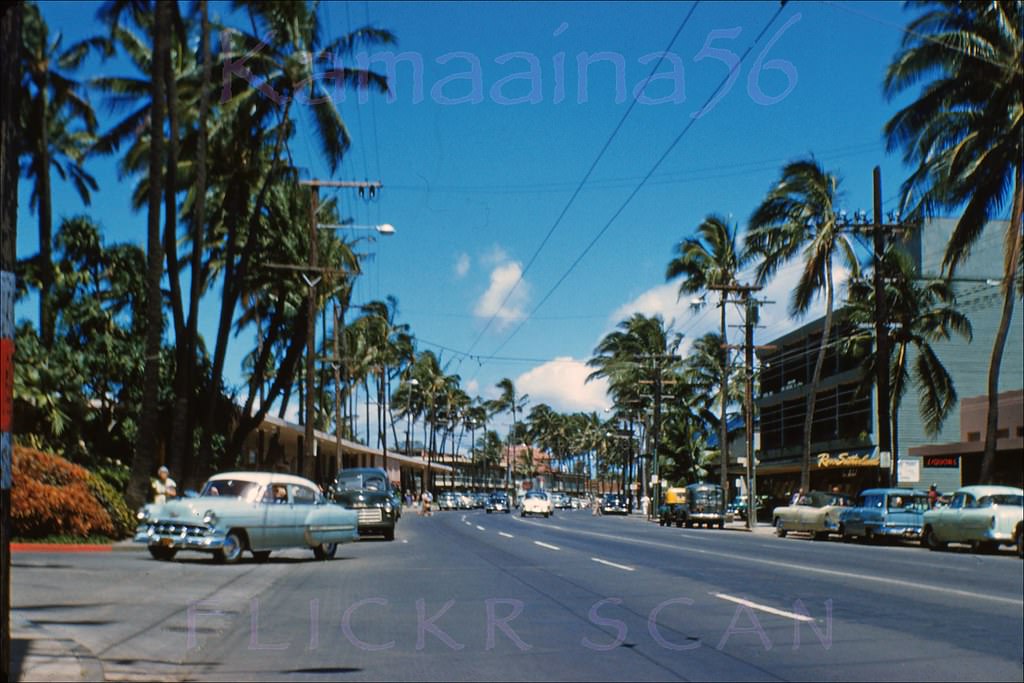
x,y
614,504
705,504
368,491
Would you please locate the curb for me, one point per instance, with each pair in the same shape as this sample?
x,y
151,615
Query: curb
x,y
60,548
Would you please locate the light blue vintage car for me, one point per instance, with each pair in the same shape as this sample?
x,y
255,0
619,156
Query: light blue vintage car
x,y
884,513
983,516
255,511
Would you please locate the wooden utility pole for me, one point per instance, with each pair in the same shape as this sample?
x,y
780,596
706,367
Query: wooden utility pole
x,y
881,333
10,91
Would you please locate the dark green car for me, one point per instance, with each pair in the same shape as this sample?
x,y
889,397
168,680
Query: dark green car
x,y
368,491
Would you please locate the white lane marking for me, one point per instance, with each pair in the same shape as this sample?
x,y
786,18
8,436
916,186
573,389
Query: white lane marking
x,y
404,541
480,528
612,564
797,567
546,545
463,518
764,608
467,523
502,533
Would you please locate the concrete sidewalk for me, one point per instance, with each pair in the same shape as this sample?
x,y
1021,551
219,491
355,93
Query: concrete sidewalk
x,y
40,655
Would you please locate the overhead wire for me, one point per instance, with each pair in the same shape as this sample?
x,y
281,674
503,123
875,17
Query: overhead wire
x,y
639,186
583,181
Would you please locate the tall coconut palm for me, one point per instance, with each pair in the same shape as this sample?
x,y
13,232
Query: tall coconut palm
x,y
510,401
58,127
800,218
919,313
964,134
712,259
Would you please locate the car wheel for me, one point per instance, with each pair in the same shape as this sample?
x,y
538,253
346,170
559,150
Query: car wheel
x,y
161,553
721,524
843,535
261,555
325,551
820,535
1019,536
780,528
984,547
231,551
930,540
488,512
522,513
546,515
389,534
688,524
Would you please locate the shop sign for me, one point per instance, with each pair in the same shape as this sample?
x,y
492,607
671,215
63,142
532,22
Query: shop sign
x,y
952,461
909,470
845,459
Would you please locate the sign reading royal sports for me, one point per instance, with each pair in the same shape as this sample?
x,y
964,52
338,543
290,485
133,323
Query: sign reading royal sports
x,y
848,459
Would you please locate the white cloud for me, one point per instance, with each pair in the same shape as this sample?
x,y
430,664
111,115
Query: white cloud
x,y
473,387
461,265
561,383
494,256
493,301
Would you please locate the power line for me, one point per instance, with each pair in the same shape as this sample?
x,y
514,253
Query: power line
x,y
585,178
641,184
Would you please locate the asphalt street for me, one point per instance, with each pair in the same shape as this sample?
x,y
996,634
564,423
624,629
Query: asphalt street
x,y
471,596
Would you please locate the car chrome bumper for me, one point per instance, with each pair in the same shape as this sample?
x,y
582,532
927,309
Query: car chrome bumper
x,y
210,540
899,531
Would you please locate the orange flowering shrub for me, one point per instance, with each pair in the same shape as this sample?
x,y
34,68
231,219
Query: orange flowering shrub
x,y
51,496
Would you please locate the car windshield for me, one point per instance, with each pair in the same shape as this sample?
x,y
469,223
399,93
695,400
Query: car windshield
x,y
536,494
231,488
908,502
1001,499
360,482
707,497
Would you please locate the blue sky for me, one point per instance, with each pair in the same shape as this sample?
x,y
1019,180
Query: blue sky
x,y
473,186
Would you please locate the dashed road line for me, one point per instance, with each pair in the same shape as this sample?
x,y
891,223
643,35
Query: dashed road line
x,y
764,608
502,533
480,528
546,545
613,564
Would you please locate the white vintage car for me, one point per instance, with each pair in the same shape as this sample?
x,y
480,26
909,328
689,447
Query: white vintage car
x,y
536,503
983,516
255,511
816,513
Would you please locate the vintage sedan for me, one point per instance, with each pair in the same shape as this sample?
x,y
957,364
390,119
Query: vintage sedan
x,y
257,512
816,513
536,503
614,504
983,516
368,491
884,513
498,502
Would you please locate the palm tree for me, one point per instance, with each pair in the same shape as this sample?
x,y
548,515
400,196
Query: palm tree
x,y
964,134
919,313
58,126
800,217
508,402
713,259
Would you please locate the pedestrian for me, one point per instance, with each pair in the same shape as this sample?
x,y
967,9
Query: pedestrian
x,y
163,486
430,501
933,496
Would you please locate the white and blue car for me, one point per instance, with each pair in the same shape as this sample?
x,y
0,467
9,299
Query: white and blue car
x,y
983,516
884,513
258,512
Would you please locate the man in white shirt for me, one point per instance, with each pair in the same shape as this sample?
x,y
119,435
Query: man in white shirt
x,y
164,487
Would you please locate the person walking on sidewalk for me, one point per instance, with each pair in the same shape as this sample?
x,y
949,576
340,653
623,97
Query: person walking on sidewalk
x,y
163,486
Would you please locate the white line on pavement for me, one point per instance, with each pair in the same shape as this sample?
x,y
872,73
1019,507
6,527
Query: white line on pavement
x,y
764,608
612,564
546,545
502,533
480,528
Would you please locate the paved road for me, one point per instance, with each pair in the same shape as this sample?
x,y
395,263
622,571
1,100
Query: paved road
x,y
469,596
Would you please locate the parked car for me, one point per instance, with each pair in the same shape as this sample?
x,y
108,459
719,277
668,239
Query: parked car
x,y
816,513
258,512
613,504
466,501
498,502
447,501
671,511
884,513
984,516
560,501
704,504
368,491
536,503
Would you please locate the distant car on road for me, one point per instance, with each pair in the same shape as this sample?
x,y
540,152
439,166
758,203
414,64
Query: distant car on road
x,y
816,513
613,504
984,516
447,501
498,502
704,504
884,513
672,511
368,491
257,512
560,501
536,503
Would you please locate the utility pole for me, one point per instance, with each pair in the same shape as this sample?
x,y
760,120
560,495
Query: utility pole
x,y
10,92
336,364
723,430
655,434
881,333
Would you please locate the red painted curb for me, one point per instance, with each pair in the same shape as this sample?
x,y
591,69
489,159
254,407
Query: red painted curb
x,y
59,548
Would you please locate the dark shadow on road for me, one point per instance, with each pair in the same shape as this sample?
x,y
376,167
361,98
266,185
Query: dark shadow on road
x,y
19,650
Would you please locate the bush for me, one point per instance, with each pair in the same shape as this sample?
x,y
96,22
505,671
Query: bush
x,y
51,496
113,502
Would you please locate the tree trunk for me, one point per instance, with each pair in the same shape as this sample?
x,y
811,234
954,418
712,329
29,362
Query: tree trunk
x,y
146,442
1013,249
47,316
812,398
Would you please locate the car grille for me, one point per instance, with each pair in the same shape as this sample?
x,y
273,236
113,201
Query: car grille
x,y
370,516
178,529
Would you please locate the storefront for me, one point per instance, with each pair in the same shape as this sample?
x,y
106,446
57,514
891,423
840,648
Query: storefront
x,y
849,471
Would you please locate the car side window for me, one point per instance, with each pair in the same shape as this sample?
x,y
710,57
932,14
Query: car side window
x,y
957,502
969,501
303,495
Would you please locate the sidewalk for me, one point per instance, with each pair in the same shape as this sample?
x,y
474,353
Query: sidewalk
x,y
39,655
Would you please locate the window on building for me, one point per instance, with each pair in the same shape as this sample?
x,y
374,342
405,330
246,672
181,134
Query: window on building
x,y
974,436
1002,433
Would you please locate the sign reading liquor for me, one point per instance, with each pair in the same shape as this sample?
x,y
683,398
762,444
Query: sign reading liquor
x,y
942,461
847,459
